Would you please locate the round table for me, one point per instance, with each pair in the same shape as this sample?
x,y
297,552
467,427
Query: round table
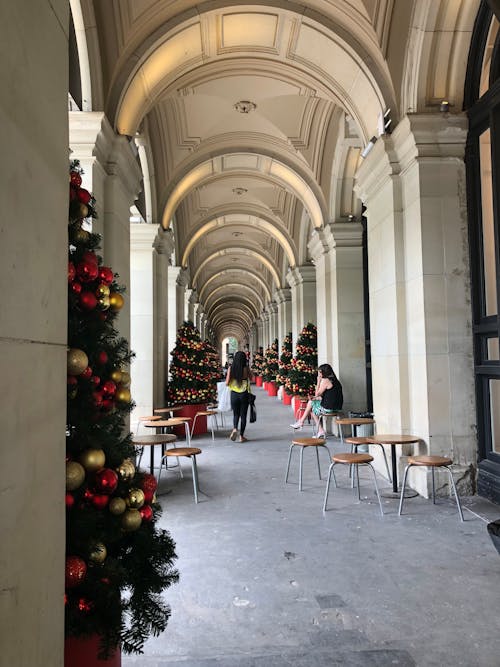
x,y
151,441
393,440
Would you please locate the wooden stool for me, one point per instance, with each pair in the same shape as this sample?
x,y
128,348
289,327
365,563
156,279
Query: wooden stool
x,y
356,441
351,460
431,462
303,443
146,418
190,453
204,413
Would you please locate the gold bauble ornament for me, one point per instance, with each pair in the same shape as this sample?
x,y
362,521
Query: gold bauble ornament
x,y
83,211
103,302
116,301
77,361
123,395
125,379
98,553
135,498
116,376
79,236
102,290
92,459
75,474
131,520
126,470
117,506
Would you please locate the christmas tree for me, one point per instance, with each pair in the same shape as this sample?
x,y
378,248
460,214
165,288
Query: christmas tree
x,y
214,369
285,360
257,362
270,365
191,380
302,376
117,561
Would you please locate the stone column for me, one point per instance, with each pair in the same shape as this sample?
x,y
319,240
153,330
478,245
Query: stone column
x,y
193,305
302,280
259,333
173,274
338,258
265,329
272,310
183,294
413,185
283,298
164,247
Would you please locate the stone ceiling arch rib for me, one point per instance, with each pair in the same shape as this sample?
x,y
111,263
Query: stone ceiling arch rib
x,y
261,219
251,252
239,272
233,286
233,314
224,309
226,301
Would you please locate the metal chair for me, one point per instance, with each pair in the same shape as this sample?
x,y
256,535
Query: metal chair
x,y
431,462
355,460
210,414
303,443
190,453
360,440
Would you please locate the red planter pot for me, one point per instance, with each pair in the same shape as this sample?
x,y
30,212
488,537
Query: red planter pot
x,y
258,381
264,385
80,652
296,401
287,399
272,389
190,411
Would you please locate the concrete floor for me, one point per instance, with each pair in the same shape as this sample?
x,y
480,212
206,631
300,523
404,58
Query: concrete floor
x,y
267,580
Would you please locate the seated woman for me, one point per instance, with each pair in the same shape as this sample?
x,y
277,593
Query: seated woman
x,y
327,399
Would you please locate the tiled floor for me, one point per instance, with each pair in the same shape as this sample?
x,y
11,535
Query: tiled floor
x,y
266,580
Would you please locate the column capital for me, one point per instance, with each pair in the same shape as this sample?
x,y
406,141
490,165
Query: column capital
x,y
90,135
282,295
301,274
271,308
164,243
122,163
142,237
193,297
183,277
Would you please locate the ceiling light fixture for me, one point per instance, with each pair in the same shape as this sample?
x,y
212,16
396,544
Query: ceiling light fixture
x,y
239,191
237,233
368,147
244,106
444,107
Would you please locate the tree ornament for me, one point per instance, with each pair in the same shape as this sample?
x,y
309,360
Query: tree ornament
x,y
123,395
83,195
105,481
70,500
85,606
116,301
98,553
109,388
116,376
149,485
117,506
71,272
88,300
90,257
86,374
75,178
79,236
102,357
106,275
95,380
82,210
88,495
131,520
75,474
77,361
135,498
126,470
146,513
100,500
97,398
76,571
103,303
102,290
108,404
92,459
86,271
125,379
76,287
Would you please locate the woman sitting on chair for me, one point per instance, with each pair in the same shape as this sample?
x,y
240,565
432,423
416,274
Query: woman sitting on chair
x,y
327,399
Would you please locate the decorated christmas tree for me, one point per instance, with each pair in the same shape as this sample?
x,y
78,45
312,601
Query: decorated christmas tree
x,y
285,360
270,365
117,561
214,369
302,376
257,362
191,380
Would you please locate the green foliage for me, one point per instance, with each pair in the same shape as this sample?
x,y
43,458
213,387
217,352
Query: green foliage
x,y
257,362
285,360
270,365
302,376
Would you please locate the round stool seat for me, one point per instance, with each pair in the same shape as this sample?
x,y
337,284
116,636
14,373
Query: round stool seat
x,y
432,461
205,413
308,442
149,418
359,440
183,451
352,459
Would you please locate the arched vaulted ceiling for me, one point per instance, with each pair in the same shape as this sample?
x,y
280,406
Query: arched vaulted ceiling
x,y
251,118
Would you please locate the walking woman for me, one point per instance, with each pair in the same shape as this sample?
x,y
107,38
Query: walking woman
x,y
238,380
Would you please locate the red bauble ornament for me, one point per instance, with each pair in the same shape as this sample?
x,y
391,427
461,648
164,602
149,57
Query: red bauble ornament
x,y
95,380
76,570
146,512
103,317
109,388
76,287
86,271
88,495
85,606
97,398
100,501
83,195
108,404
72,193
106,275
90,256
87,373
88,300
148,485
70,500
71,272
105,481
72,381
102,357
75,178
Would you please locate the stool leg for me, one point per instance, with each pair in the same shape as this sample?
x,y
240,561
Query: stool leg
x,y
192,428
403,490
188,434
327,490
212,427
317,459
195,477
386,464
356,470
459,506
289,459
433,487
140,458
376,488
301,459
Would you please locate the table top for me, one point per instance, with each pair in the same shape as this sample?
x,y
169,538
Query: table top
x,y
395,439
355,421
161,411
174,421
159,439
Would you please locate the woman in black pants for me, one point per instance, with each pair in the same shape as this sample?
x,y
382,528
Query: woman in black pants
x,y
238,380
